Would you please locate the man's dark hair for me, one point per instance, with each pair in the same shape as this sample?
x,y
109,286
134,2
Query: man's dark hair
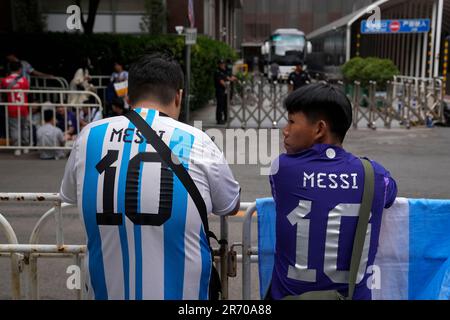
x,y
48,115
156,76
320,101
14,66
11,52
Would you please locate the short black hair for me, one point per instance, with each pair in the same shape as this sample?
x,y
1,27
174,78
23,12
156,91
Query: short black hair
x,y
156,75
323,101
11,52
48,115
14,66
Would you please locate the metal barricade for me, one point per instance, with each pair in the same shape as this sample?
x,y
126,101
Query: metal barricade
x,y
249,253
101,84
257,102
24,257
404,102
47,83
66,99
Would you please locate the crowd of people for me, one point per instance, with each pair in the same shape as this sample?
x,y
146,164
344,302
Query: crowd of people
x,y
38,123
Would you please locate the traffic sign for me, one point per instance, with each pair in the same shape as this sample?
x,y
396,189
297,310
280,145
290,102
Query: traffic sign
x,y
191,36
396,26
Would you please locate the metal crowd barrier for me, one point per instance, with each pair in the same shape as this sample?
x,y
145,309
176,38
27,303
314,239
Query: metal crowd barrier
x,y
101,84
46,83
65,100
406,102
24,257
258,102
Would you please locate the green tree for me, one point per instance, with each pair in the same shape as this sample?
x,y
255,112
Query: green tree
x,y
28,16
154,17
369,69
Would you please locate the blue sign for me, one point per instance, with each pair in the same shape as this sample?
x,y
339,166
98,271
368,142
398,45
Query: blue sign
x,y
396,26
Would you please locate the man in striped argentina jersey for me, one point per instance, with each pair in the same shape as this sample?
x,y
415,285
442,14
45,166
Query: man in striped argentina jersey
x,y
144,233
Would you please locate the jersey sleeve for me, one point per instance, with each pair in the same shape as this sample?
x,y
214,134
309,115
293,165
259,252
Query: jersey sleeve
x,y
68,191
390,186
390,190
224,189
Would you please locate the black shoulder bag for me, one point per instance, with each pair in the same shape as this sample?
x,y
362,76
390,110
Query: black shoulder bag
x,y
166,155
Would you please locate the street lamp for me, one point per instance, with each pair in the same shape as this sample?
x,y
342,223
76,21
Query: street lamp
x,y
190,37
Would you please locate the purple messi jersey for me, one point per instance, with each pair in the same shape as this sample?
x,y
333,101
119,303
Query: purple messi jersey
x,y
318,193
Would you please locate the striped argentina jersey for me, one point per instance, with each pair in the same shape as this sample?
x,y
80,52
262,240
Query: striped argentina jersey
x,y
144,234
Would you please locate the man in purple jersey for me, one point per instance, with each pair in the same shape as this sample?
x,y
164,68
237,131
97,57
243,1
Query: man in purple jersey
x,y
318,188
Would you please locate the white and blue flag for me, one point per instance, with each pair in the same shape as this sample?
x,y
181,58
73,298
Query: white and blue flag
x,y
413,257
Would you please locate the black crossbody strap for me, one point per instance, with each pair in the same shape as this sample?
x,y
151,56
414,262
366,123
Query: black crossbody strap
x,y
180,171
363,222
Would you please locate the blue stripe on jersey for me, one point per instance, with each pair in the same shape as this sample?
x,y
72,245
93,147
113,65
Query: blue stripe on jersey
x,y
121,209
174,229
94,241
206,265
137,228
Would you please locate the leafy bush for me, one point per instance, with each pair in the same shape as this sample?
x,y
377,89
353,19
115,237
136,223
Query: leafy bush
x,y
369,69
60,54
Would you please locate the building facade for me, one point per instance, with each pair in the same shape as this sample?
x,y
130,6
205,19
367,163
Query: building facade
x,y
218,19
262,17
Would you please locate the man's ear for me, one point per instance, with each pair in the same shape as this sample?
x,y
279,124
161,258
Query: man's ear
x,y
321,130
179,98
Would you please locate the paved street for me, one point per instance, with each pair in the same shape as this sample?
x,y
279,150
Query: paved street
x,y
418,159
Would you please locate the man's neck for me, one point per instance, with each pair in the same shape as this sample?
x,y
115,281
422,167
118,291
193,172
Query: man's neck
x,y
153,106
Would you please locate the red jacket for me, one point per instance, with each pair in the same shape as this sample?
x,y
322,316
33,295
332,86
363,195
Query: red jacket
x,y
19,97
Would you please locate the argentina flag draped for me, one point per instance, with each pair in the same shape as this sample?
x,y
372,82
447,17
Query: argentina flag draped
x,y
413,259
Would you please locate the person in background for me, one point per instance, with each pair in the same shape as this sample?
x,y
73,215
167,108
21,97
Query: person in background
x,y
88,115
119,74
81,82
118,107
27,68
71,130
274,71
49,135
298,78
221,78
18,119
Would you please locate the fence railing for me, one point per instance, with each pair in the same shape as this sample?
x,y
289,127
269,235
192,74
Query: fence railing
x,y
24,257
258,102
18,130
101,82
46,83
